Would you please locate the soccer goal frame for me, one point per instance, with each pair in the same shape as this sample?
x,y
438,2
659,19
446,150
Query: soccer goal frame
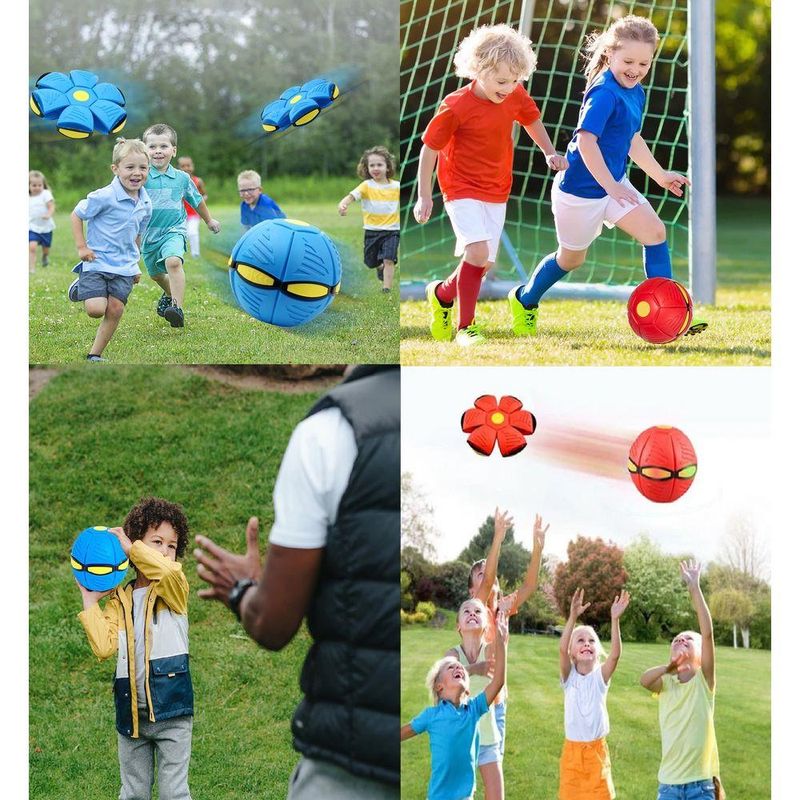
x,y
680,130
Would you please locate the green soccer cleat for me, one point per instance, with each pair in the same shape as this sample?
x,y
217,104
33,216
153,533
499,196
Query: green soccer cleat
x,y
697,326
470,336
523,320
441,316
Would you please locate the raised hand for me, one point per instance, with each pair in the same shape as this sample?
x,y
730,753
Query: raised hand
x,y
502,522
124,541
678,663
577,606
620,604
502,626
539,532
690,573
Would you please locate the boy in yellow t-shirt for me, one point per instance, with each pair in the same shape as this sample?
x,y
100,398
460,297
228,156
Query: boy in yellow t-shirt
x,y
380,204
685,688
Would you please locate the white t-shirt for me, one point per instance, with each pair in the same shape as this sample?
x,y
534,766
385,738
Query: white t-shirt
x,y
312,478
585,713
37,208
138,643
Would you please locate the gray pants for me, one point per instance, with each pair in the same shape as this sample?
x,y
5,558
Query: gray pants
x,y
168,744
313,779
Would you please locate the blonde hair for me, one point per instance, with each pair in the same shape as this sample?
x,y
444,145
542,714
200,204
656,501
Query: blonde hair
x,y
34,173
249,175
481,606
379,150
161,129
696,638
491,45
601,653
627,29
433,677
125,146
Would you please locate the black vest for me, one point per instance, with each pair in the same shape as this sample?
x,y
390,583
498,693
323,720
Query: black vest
x,y
350,713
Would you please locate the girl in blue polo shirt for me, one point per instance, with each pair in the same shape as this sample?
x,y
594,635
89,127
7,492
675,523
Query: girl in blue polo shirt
x,y
595,190
452,721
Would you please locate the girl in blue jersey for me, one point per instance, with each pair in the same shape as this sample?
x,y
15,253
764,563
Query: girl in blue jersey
x,y
595,190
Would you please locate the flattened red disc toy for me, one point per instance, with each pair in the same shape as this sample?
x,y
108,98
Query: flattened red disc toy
x,y
506,423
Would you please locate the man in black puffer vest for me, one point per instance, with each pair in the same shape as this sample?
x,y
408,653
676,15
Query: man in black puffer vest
x,y
335,558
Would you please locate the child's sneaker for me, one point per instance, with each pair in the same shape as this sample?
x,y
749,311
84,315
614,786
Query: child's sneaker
x,y
92,358
386,290
441,316
72,292
45,261
523,320
470,336
697,326
174,315
379,273
163,304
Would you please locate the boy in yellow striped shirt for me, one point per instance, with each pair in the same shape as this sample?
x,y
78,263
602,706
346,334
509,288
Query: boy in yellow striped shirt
x,y
379,196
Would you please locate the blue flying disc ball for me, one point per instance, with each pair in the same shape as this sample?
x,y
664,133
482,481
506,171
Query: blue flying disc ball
x,y
98,560
284,272
298,105
79,103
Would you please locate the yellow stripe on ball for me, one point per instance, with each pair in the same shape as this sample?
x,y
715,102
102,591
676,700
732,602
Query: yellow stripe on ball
x,y
269,128
120,126
295,99
74,134
306,118
35,108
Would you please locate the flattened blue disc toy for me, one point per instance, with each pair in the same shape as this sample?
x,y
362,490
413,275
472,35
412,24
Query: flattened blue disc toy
x,y
298,105
285,272
98,560
79,103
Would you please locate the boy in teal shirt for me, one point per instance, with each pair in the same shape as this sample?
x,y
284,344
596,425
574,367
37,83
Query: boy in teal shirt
x,y
164,241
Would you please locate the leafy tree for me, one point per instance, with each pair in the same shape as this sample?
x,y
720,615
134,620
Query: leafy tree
x,y
735,607
596,567
451,581
659,602
416,514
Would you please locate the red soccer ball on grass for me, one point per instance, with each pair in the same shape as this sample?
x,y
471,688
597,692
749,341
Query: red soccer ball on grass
x,y
660,310
506,423
662,463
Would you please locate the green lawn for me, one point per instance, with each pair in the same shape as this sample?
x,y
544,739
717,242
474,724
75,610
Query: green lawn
x,y
535,718
100,439
579,332
359,326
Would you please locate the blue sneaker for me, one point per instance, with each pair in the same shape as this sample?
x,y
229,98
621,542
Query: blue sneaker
x,y
174,315
72,292
163,304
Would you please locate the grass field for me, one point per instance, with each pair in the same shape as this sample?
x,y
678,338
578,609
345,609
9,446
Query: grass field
x,y
359,326
577,332
99,440
535,718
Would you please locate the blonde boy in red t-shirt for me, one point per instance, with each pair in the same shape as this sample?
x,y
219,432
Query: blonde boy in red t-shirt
x,y
471,136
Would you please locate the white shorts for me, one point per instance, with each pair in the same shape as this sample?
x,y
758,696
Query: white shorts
x,y
476,221
580,220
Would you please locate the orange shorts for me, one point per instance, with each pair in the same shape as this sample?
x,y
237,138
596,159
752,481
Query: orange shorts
x,y
585,771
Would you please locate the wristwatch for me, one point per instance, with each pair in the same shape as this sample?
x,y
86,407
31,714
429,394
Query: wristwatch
x,y
237,593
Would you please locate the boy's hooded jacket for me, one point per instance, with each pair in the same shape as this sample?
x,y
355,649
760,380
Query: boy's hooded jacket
x,y
168,684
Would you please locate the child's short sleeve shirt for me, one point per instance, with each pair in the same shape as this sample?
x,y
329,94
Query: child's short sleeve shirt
x,y
453,737
265,208
585,712
37,208
614,115
167,191
380,204
473,138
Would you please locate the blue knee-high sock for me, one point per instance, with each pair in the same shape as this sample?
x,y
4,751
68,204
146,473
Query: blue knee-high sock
x,y
546,274
657,263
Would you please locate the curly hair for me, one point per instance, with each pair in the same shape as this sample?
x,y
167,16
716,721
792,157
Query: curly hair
x,y
491,45
150,512
362,169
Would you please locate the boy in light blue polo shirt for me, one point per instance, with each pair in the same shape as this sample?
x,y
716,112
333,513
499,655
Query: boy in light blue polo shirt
x,y
164,242
116,217
452,722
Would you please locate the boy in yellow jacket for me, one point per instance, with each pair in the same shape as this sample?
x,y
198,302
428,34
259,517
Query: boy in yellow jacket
x,y
145,623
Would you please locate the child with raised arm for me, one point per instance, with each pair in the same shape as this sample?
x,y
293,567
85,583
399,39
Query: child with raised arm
x,y
145,623
380,205
452,721
585,766
164,241
482,584
115,217
476,655
41,208
686,689
595,190
471,138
